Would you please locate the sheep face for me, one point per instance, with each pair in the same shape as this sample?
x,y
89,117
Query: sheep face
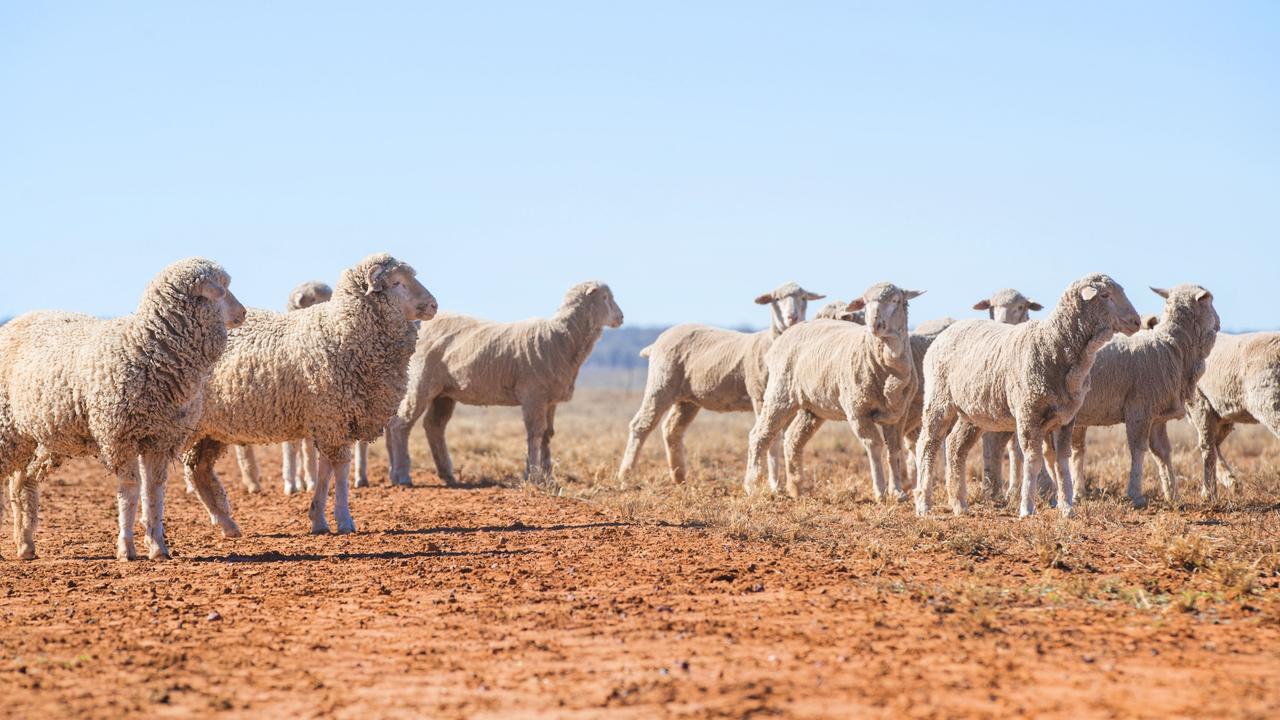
x,y
838,310
308,294
1008,306
612,313
788,303
1196,300
885,306
1105,303
217,291
417,303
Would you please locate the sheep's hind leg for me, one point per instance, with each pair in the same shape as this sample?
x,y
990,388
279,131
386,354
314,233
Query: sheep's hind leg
x,y
1163,450
127,510
434,424
993,445
1058,453
933,431
535,425
360,464
960,443
652,409
1228,476
546,441
1138,434
1031,440
799,433
24,501
673,430
155,471
248,463
338,458
770,421
320,497
892,435
396,434
198,470
289,468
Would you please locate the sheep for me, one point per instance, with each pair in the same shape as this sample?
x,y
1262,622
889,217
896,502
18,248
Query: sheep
x,y
833,370
982,375
532,364
1144,381
695,367
1241,384
333,373
126,390
839,310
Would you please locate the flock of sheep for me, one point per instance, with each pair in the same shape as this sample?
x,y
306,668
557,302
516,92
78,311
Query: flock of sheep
x,y
191,372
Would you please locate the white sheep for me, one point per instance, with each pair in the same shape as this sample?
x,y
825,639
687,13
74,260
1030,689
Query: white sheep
x,y
981,375
839,310
531,364
695,367
1144,381
126,390
833,370
1241,384
333,373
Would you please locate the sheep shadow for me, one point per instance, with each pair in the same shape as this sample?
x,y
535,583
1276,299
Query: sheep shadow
x,y
273,556
517,526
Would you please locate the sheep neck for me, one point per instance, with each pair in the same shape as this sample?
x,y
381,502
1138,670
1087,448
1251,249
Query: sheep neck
x,y
1073,340
1178,331
894,353
180,340
581,330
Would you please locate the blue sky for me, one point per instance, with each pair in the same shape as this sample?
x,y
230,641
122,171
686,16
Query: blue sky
x,y
693,155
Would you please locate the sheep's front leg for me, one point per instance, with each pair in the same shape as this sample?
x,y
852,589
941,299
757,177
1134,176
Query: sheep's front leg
x,y
24,501
892,435
1058,454
873,442
198,470
673,430
1031,441
1228,477
1016,461
155,473
438,413
338,457
936,425
248,463
320,497
396,435
993,443
799,433
535,426
311,464
127,510
1075,448
773,417
546,441
1137,429
1207,424
361,463
653,407
960,443
1163,450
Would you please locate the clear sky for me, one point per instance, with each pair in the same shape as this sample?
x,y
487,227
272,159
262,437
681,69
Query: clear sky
x,y
691,154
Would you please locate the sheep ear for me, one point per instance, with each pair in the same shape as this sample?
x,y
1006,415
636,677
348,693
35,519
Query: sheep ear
x,y
1161,292
1150,321
1034,306
764,299
982,305
855,305
858,317
377,281
1204,295
913,294
210,289
1088,292
810,296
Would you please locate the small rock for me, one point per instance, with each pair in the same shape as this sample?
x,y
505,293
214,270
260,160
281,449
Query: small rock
x,y
214,616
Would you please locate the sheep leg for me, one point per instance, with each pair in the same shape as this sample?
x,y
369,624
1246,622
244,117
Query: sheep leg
x,y
1031,440
1228,473
397,437
361,464
127,510
546,441
673,430
1058,454
198,471
773,417
289,467
155,472
1075,449
436,419
24,501
652,408
993,443
535,426
1138,434
1013,488
1163,450
338,458
960,443
312,463
937,423
873,443
892,436
320,497
798,435
1208,426
248,463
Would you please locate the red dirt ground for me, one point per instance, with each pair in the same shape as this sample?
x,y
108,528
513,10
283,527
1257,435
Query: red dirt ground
x,y
503,602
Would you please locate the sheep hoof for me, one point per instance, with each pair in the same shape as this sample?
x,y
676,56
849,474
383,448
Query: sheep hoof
x,y
26,551
158,554
1026,511
319,527
346,526
922,508
231,530
291,490
1139,502
361,482
125,551
1067,510
900,496
253,489
959,509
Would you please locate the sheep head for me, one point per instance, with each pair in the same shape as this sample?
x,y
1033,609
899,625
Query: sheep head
x,y
885,305
1191,306
788,304
1102,304
385,276
194,282
1008,306
838,310
598,299
309,293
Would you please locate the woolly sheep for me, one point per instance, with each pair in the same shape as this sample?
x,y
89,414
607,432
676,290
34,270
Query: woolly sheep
x,y
1241,384
832,370
694,367
981,375
126,390
1144,381
532,364
333,373
839,310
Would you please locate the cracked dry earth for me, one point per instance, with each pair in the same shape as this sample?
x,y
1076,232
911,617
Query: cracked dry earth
x,y
502,602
